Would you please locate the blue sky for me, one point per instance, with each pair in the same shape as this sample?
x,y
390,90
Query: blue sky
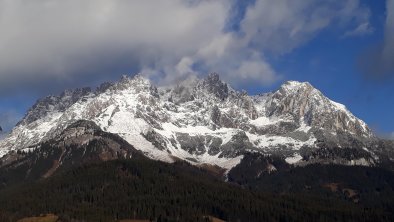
x,y
254,45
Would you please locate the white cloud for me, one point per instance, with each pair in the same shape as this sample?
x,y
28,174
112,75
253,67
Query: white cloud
x,y
167,39
361,30
253,69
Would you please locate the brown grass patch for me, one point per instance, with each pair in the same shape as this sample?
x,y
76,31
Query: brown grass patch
x,y
214,219
42,218
213,169
331,186
133,221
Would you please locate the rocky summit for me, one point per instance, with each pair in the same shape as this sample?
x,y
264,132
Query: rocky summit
x,y
205,121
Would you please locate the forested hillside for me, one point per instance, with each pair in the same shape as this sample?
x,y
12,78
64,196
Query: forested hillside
x,y
145,189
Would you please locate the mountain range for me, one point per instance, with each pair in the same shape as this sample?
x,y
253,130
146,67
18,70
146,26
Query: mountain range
x,y
205,121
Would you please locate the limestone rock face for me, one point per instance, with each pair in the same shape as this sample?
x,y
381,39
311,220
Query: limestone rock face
x,y
213,85
304,103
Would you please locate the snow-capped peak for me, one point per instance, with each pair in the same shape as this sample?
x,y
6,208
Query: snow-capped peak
x,y
294,85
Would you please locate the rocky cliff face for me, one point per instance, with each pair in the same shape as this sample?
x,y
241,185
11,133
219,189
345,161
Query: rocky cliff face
x,y
205,121
51,104
305,104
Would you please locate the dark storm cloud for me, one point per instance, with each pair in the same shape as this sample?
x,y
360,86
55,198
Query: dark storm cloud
x,y
84,72
60,41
